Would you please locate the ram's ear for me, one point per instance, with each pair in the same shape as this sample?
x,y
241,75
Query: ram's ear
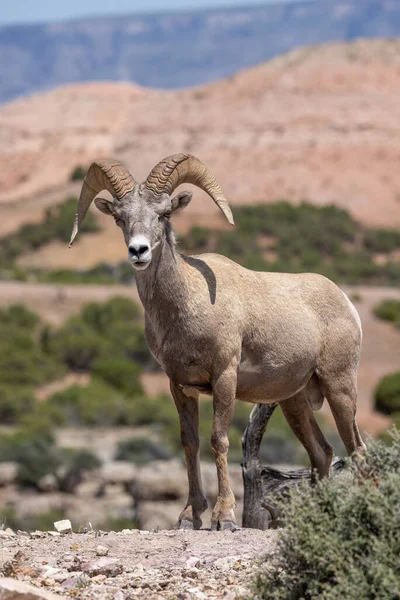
x,y
181,200
105,206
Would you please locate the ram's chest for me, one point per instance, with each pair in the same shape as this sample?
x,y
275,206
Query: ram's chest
x,y
185,354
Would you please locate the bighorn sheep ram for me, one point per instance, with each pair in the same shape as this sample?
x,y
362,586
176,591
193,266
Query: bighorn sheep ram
x,y
220,329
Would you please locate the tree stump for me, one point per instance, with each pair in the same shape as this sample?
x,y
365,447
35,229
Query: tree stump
x,y
263,484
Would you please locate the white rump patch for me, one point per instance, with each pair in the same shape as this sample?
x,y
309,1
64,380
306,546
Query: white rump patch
x,y
353,310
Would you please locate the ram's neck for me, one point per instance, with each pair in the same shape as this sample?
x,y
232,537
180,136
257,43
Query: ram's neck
x,y
162,287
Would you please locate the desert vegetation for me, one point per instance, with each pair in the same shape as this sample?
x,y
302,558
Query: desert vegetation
x,y
389,310
341,537
387,393
287,238
275,237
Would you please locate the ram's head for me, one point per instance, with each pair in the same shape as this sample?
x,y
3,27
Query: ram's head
x,y
142,210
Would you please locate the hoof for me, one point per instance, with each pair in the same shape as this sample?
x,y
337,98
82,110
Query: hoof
x,y
224,525
230,525
184,524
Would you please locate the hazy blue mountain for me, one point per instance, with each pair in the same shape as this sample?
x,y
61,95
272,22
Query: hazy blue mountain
x,y
179,49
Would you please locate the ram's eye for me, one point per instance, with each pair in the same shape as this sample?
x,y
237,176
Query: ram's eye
x,y
167,215
119,222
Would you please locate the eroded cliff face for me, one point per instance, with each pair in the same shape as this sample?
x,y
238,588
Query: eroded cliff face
x,y
321,123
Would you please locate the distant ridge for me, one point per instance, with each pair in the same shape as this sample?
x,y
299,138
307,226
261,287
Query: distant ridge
x,y
320,123
179,49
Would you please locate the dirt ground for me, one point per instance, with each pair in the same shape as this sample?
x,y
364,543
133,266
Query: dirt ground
x,y
185,565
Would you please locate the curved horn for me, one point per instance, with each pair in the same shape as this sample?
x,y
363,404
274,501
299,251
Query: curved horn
x,y
185,168
102,175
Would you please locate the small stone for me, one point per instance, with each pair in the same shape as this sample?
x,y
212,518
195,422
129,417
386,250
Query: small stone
x,y
226,562
63,526
37,534
192,561
102,551
127,532
103,566
48,572
54,533
99,578
61,577
191,573
197,593
6,533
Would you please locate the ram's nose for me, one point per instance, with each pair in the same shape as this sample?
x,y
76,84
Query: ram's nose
x,y
139,249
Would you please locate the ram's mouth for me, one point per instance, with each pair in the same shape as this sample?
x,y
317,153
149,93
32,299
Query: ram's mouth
x,y
140,265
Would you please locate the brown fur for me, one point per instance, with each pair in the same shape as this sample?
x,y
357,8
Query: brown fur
x,y
218,328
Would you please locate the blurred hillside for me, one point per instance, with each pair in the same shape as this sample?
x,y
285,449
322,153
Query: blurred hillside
x,y
179,49
321,123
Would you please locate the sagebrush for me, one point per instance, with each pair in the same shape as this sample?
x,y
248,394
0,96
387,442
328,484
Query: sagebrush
x,y
341,537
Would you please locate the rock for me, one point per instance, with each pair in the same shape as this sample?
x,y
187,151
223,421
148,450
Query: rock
x,y
49,572
118,472
129,531
111,567
12,589
63,526
48,483
8,473
226,562
7,533
37,534
158,515
162,481
102,551
197,593
192,561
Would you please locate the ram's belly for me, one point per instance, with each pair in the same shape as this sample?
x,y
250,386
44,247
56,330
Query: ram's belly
x,y
273,378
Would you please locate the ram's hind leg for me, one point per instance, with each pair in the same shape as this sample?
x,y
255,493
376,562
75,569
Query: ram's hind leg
x,y
341,393
300,417
188,409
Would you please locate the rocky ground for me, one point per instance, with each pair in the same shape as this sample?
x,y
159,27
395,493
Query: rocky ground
x,y
185,565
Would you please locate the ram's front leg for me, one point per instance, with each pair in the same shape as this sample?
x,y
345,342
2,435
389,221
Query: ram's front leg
x,y
224,394
188,409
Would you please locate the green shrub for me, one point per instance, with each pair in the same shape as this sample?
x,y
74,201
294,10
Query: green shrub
x,y
19,316
96,404
22,360
141,450
78,174
26,366
77,345
15,402
387,394
121,373
33,448
39,522
75,463
56,225
382,240
389,310
119,321
341,537
103,317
